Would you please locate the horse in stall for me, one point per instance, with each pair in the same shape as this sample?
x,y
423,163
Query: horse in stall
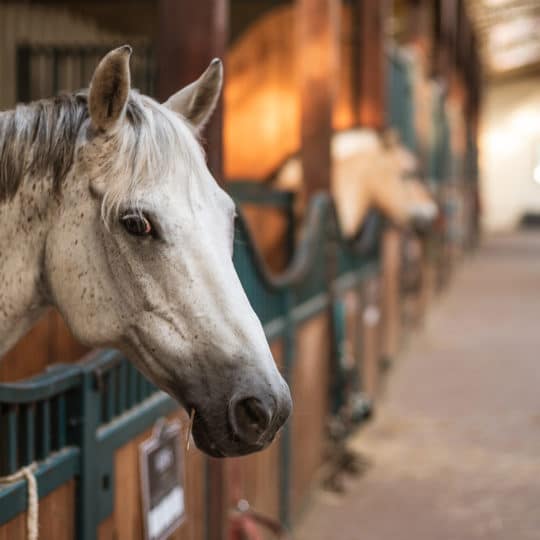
x,y
368,171
110,214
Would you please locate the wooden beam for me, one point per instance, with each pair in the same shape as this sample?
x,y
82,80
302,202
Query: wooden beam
x,y
449,23
318,31
460,34
372,95
415,20
436,66
190,35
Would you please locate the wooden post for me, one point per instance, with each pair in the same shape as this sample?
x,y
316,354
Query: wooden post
x,y
436,39
444,26
391,297
318,25
372,68
449,12
190,35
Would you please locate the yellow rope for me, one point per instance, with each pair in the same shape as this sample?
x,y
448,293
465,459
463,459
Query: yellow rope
x,y
32,515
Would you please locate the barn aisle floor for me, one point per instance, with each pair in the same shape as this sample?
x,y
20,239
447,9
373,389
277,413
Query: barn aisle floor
x,y
455,445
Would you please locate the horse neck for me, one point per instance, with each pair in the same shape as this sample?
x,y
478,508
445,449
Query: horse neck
x,y
24,224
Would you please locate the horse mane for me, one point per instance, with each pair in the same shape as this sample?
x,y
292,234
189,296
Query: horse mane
x,y
38,140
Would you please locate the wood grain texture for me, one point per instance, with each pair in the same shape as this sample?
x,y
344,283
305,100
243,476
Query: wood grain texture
x,y
56,517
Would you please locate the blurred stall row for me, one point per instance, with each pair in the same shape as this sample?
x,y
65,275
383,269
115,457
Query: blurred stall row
x,y
347,137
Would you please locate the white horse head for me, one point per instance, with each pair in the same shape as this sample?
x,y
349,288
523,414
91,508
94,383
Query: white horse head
x,y
138,248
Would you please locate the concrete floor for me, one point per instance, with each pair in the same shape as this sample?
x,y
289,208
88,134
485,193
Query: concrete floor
x,y
455,445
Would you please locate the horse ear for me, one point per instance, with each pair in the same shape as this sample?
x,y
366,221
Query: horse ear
x,y
197,101
109,89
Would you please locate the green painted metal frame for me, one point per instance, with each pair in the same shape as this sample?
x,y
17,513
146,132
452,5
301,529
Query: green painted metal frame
x,y
98,426
41,415
106,428
401,104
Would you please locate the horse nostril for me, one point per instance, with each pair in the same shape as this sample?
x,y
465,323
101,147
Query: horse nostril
x,y
250,419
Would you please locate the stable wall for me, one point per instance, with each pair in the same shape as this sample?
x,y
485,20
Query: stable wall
x,y
509,147
35,24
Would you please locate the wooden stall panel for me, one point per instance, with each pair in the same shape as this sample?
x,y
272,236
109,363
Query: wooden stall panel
x,y
29,356
127,519
391,309
48,342
270,229
255,478
310,397
56,517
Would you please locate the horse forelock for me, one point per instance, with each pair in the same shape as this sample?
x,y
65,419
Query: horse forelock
x,y
38,140
147,148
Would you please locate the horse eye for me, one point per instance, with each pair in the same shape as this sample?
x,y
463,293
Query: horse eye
x,y
136,224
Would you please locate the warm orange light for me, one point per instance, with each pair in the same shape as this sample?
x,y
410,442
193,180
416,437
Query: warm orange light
x,y
262,92
261,132
262,110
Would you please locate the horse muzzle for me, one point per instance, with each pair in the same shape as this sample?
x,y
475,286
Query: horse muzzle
x,y
249,423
